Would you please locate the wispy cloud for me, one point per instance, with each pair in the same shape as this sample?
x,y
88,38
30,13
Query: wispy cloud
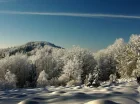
x,y
88,15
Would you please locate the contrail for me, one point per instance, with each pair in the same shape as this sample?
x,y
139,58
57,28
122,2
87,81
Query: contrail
x,y
88,15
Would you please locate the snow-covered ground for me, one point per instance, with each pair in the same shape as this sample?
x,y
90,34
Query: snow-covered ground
x,y
123,93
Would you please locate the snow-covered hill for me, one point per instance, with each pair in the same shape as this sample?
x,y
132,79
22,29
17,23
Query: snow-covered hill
x,y
26,48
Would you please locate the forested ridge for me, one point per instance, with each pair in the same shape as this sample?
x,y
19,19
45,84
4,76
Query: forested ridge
x,y
38,64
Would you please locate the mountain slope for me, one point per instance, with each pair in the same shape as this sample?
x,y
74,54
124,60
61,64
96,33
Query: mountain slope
x,y
26,48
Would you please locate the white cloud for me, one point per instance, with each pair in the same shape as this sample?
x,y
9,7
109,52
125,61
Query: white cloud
x,y
89,15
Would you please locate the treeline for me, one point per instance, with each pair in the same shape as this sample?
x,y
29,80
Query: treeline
x,y
55,66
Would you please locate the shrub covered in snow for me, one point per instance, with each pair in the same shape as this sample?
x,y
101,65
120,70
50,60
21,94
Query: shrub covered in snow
x,y
42,80
73,83
18,65
10,80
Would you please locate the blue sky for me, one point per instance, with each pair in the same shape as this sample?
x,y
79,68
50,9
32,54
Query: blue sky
x,y
92,24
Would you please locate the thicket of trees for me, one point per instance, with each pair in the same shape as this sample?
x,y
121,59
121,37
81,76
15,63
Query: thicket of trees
x,y
55,66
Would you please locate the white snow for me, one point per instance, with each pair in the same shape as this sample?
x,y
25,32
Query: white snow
x,y
124,93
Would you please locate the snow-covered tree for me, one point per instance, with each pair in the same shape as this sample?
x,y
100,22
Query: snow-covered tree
x,y
42,80
126,62
48,59
73,68
10,80
128,58
78,62
106,59
49,64
17,64
135,47
9,77
136,72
